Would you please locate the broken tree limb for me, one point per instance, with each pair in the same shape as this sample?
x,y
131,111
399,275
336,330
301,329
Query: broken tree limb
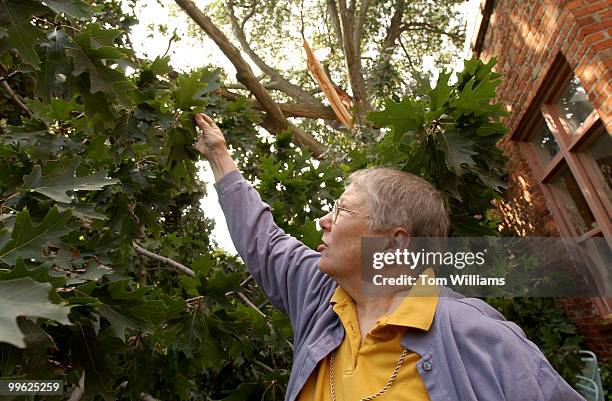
x,y
327,87
276,122
289,109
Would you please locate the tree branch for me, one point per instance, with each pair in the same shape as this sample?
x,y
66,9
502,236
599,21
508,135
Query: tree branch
x,y
417,26
391,38
276,121
289,109
332,9
249,303
359,25
407,54
248,16
271,86
178,266
281,84
147,397
78,392
15,97
352,55
394,31
184,269
263,365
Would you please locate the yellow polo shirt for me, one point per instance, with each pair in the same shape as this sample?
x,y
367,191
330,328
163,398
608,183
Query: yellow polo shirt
x,y
361,370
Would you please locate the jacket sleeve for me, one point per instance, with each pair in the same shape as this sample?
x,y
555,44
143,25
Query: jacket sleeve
x,y
500,362
284,268
554,388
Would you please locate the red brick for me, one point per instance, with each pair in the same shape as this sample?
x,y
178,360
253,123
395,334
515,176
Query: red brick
x,y
599,26
590,9
574,4
602,45
595,37
585,21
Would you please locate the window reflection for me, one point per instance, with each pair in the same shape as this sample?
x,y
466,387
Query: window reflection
x,y
574,105
600,153
545,143
571,199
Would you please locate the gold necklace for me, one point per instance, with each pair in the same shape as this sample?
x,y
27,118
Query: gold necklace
x,y
332,387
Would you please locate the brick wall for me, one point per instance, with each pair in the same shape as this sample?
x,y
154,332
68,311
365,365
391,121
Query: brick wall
x,y
526,36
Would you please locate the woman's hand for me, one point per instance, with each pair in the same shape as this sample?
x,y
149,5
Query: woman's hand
x,y
211,142
212,146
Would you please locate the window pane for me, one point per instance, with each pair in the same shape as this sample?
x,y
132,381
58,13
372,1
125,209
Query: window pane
x,y
597,256
570,198
601,155
545,143
574,105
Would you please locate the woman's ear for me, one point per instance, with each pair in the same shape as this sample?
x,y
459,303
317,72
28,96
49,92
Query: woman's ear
x,y
398,238
401,238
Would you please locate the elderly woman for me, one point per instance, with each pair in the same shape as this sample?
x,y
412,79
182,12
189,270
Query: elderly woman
x,y
352,345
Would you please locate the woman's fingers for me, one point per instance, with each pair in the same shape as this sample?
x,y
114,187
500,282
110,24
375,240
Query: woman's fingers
x,y
205,121
208,120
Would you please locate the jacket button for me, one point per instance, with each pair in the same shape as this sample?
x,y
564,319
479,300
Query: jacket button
x,y
427,366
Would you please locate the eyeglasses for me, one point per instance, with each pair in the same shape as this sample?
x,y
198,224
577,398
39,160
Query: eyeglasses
x,y
337,208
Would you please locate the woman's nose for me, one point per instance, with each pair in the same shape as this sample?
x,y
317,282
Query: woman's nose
x,y
325,222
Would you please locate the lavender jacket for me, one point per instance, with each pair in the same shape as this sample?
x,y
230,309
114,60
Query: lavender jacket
x,y
470,352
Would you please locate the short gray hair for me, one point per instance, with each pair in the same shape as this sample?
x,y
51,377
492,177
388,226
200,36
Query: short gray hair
x,y
397,198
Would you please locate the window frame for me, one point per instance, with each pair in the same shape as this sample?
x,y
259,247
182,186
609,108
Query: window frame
x,y
572,147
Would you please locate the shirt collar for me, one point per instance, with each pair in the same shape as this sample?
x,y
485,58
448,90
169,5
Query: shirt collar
x,y
417,310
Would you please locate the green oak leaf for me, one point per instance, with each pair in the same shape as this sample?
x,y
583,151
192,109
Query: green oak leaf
x,y
179,161
26,297
492,181
119,323
407,115
24,135
457,149
440,94
491,128
53,109
94,35
35,337
61,109
54,62
191,87
475,99
242,392
21,35
84,211
23,38
62,180
125,309
27,240
161,65
310,236
73,8
40,274
125,91
98,104
101,78
89,51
